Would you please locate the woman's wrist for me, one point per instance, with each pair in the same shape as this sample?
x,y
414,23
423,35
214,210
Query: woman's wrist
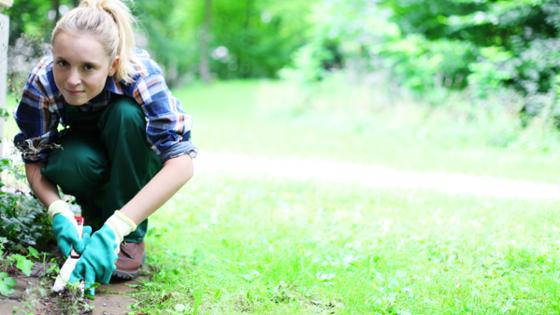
x,y
60,207
121,224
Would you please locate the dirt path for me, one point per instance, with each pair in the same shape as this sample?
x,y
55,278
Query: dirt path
x,y
372,176
32,297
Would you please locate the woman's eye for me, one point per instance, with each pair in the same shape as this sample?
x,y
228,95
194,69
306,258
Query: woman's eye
x,y
61,63
88,67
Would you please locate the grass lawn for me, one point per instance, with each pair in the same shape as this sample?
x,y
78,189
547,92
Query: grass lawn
x,y
345,123
241,246
235,246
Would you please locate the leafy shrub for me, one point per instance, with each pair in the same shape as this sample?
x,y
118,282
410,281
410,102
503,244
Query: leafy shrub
x,y
491,71
23,221
422,65
432,47
516,43
342,34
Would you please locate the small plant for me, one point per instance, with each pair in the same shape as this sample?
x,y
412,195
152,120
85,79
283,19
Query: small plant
x,y
9,263
7,284
70,301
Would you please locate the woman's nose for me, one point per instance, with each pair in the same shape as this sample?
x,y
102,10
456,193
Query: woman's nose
x,y
74,78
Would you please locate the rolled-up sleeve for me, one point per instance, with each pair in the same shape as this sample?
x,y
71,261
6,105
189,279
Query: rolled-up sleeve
x,y
168,127
37,125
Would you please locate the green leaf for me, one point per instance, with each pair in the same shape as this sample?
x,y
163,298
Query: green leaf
x,y
33,252
6,284
23,264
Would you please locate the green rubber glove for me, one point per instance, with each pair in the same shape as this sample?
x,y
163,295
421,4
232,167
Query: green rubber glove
x,y
65,229
97,262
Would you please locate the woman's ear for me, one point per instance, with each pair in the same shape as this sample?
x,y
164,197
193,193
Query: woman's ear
x,y
114,66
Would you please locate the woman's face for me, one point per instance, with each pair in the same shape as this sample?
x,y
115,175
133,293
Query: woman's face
x,y
81,66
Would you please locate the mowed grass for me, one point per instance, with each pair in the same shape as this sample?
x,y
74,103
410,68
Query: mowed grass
x,y
246,246
337,121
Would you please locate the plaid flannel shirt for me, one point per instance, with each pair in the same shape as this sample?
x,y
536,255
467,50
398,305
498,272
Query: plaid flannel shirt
x,y
39,113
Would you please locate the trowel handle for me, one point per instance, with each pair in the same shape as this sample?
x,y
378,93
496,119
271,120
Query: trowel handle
x,y
80,221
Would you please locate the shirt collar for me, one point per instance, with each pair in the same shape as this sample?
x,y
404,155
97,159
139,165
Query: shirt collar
x,y
114,87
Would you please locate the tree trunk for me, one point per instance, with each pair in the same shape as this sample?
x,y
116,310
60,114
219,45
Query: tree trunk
x,y
244,64
204,66
55,6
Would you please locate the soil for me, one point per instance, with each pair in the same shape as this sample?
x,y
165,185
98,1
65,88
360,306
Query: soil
x,y
32,295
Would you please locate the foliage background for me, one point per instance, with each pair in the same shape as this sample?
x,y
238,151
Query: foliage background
x,y
432,48
492,62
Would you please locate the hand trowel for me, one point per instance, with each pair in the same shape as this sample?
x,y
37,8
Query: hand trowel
x,y
68,266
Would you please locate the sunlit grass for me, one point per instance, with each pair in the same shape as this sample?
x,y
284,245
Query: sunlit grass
x,y
232,246
352,123
227,246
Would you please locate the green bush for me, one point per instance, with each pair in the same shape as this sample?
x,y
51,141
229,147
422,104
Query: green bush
x,y
431,47
342,34
422,65
23,220
24,226
490,72
514,44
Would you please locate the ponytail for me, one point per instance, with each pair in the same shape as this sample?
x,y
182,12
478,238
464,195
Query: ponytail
x,y
110,21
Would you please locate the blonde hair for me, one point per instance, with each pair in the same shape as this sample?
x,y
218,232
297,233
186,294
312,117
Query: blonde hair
x,y
110,21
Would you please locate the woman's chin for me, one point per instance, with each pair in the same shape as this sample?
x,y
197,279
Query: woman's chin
x,y
75,101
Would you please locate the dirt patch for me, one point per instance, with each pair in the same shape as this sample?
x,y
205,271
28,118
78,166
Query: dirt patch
x,y
114,298
33,295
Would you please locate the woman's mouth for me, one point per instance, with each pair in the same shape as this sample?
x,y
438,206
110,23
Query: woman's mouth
x,y
72,92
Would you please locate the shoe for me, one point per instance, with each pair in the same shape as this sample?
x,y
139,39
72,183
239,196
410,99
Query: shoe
x,y
131,258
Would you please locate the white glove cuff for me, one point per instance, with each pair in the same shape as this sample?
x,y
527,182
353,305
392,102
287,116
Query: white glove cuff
x,y
60,207
121,225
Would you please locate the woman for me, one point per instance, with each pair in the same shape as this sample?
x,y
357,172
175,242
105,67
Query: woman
x,y
125,148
